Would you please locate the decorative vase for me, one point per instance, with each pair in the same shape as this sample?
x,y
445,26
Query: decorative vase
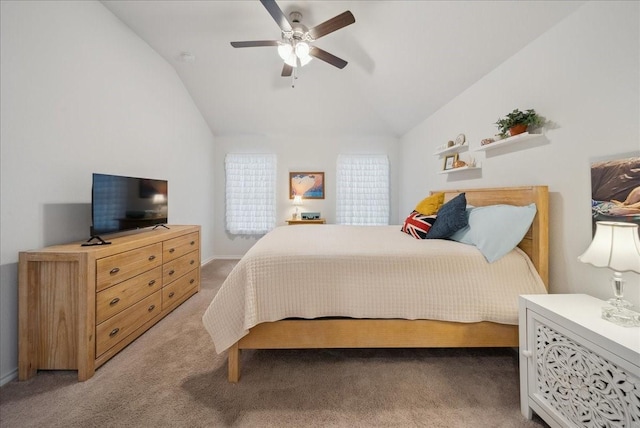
x,y
517,129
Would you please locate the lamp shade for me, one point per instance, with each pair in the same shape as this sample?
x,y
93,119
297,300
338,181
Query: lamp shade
x,y
297,200
305,60
302,50
284,50
616,246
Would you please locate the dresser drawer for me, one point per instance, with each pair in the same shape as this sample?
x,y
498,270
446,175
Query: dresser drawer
x,y
174,292
119,267
119,297
177,247
178,267
121,325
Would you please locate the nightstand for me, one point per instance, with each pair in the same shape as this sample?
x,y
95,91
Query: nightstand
x,y
300,221
576,369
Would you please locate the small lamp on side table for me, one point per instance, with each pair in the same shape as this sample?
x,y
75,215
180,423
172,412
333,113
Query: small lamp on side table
x,y
297,202
616,246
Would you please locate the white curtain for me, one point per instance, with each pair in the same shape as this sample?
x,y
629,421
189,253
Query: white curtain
x,y
250,193
362,190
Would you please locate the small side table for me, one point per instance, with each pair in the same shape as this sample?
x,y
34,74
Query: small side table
x,y
576,369
300,221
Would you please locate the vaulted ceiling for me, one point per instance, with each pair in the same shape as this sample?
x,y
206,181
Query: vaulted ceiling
x,y
406,59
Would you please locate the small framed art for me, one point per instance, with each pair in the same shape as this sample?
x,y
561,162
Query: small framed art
x,y
309,185
449,161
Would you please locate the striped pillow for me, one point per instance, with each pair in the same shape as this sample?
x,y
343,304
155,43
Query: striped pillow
x,y
417,225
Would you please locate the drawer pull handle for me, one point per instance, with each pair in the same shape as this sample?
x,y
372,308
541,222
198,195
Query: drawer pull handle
x,y
192,242
114,332
171,294
152,257
114,271
192,281
153,281
192,262
114,301
527,353
171,250
152,307
171,272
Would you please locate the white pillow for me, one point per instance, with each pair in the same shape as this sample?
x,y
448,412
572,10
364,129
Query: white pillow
x,y
496,229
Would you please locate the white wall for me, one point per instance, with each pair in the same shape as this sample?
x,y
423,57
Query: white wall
x,y
80,94
583,75
296,153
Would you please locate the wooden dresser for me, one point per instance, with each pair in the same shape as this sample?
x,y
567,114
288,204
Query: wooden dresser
x,y
79,306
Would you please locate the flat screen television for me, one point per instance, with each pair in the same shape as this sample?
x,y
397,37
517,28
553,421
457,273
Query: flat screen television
x,y
121,203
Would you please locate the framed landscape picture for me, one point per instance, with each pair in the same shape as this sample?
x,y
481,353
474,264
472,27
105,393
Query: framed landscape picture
x,y
309,185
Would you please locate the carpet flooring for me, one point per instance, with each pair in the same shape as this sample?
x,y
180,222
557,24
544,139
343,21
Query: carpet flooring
x,y
172,377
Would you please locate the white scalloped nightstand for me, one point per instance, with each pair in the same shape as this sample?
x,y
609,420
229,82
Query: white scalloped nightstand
x,y
576,369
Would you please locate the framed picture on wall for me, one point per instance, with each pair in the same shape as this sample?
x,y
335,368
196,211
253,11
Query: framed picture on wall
x,y
615,189
309,185
449,161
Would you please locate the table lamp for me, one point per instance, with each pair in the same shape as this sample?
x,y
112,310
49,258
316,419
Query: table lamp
x,y
297,202
616,246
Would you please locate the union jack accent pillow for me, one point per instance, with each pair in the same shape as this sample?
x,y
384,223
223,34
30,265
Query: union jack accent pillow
x,y
417,225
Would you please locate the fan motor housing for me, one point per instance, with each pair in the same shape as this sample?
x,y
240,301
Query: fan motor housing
x,y
299,31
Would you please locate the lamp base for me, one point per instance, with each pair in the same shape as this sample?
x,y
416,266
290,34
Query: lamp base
x,y
621,316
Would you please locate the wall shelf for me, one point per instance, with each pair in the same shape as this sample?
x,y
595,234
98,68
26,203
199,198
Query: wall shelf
x,y
462,168
458,148
507,141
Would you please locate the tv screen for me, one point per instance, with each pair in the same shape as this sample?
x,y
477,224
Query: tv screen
x,y
123,203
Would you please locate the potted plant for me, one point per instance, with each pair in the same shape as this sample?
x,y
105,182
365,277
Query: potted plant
x,y
518,121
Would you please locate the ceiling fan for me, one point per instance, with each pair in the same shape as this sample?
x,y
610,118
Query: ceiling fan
x,y
296,45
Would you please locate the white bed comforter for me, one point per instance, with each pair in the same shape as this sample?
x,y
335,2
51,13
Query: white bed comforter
x,y
311,271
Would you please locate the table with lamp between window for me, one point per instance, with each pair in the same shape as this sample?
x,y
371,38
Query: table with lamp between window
x,y
305,217
306,221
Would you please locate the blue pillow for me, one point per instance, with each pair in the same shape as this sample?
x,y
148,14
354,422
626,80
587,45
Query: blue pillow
x,y
451,217
496,229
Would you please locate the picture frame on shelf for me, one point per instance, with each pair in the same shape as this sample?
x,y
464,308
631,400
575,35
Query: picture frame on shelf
x,y
309,185
449,162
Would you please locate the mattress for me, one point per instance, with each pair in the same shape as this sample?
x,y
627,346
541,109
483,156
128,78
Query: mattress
x,y
313,271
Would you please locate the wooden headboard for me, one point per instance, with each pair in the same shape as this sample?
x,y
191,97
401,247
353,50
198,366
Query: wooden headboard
x,y
536,242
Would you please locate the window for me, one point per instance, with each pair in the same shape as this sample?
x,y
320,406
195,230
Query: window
x,y
362,190
250,193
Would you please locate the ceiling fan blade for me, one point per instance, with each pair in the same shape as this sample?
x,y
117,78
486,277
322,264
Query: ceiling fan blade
x,y
277,14
333,24
327,57
255,43
287,70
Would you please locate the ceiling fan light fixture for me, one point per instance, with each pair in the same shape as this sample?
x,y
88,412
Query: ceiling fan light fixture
x,y
302,50
291,60
305,60
285,50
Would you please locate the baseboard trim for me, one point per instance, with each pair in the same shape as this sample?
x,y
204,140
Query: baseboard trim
x,y
9,377
225,258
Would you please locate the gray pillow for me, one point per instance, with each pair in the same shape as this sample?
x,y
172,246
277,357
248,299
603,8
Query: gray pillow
x,y
452,216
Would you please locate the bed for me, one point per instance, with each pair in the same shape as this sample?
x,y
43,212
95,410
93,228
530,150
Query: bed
x,y
247,314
